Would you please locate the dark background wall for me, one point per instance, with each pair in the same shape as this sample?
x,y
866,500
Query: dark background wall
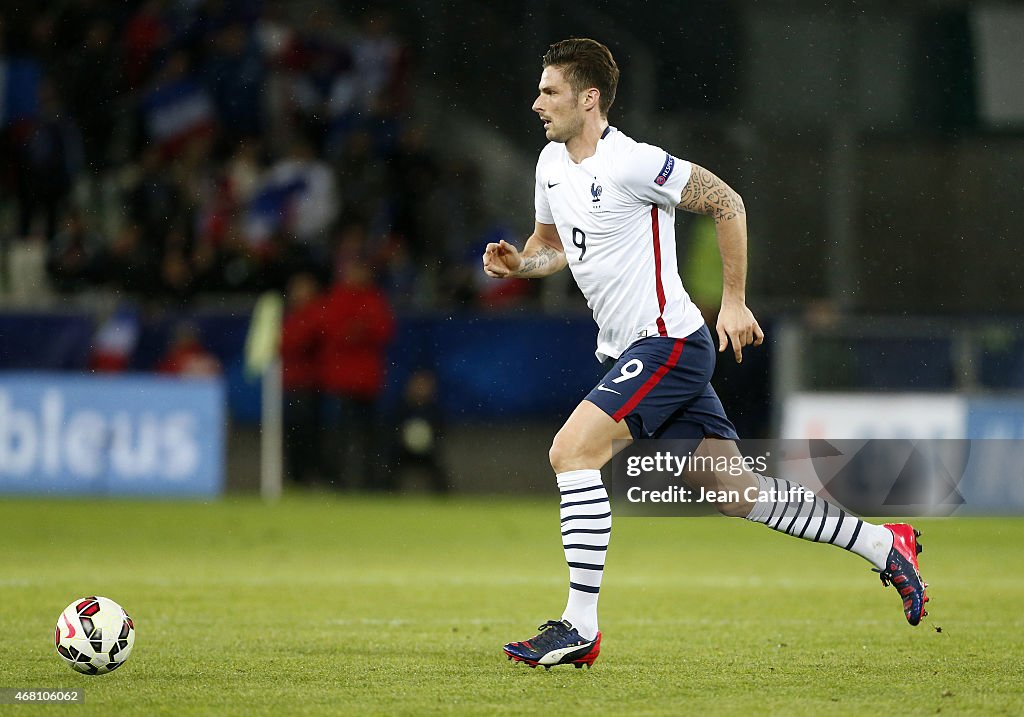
x,y
874,175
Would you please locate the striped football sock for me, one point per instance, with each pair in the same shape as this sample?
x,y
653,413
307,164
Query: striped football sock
x,y
819,521
586,527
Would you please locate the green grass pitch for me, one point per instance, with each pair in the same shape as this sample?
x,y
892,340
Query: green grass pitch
x,y
336,605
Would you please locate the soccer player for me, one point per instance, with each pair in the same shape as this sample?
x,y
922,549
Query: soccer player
x,y
605,207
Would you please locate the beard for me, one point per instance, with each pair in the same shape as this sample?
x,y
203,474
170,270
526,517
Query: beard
x,y
566,130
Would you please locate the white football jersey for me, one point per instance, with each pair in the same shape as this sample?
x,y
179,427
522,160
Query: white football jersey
x,y
615,215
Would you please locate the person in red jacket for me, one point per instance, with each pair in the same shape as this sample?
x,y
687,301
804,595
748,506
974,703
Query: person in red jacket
x,y
357,324
186,356
301,333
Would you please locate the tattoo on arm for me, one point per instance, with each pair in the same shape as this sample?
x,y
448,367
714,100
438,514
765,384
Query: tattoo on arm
x,y
538,263
707,194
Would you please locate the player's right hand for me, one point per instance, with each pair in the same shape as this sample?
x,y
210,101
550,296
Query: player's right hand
x,y
501,260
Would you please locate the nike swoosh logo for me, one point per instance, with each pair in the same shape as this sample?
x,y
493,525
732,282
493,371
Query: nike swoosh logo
x,y
552,186
602,387
71,628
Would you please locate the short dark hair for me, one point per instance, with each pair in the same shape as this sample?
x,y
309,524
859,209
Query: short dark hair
x,y
587,63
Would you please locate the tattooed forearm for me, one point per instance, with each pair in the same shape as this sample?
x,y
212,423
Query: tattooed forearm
x,y
545,260
707,194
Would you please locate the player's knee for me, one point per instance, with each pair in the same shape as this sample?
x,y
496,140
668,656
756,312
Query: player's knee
x,y
559,454
567,454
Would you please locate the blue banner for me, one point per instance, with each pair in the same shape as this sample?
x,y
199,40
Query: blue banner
x,y
117,435
994,485
995,418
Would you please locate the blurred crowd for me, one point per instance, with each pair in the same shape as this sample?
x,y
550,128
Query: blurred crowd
x,y
164,148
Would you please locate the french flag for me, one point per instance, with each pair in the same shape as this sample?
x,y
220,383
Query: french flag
x,y
176,112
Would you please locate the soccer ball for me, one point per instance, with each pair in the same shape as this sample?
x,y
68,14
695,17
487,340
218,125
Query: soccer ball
x,y
94,635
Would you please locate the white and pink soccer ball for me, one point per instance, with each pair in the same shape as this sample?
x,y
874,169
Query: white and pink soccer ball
x,y
94,635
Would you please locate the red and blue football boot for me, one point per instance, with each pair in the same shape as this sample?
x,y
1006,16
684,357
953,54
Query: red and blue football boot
x,y
901,570
557,643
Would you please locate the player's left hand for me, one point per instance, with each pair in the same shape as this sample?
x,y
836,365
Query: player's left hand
x,y
736,323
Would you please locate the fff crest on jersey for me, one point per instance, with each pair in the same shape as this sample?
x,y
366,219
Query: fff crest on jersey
x,y
595,191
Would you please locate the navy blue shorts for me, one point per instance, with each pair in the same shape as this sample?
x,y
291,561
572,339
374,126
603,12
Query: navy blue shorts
x,y
662,388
